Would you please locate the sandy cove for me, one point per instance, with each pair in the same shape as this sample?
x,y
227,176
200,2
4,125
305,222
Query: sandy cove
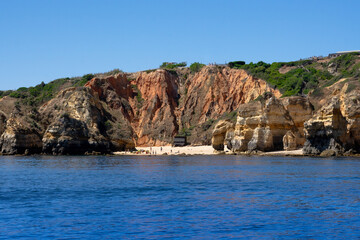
x,y
169,150
198,150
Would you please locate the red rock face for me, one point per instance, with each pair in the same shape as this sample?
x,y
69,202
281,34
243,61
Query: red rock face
x,y
159,95
110,89
215,91
160,103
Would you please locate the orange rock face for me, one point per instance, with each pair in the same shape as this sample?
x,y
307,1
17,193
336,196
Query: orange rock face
x,y
215,91
160,103
156,122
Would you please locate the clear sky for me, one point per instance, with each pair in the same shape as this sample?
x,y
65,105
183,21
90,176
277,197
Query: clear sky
x,y
41,40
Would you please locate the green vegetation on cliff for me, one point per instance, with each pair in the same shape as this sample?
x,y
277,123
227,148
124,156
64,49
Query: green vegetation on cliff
x,y
196,67
172,65
301,77
42,92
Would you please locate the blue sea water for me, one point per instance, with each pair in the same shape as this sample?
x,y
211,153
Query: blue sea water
x,y
179,197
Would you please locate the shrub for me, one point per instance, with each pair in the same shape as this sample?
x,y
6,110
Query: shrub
x,y
196,67
112,72
172,65
294,82
15,95
236,64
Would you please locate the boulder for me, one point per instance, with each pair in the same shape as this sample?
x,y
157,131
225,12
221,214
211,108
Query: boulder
x,y
262,140
290,141
221,132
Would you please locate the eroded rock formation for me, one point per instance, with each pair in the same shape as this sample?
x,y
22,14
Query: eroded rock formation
x,y
216,90
121,111
335,128
158,104
270,124
223,132
77,123
18,138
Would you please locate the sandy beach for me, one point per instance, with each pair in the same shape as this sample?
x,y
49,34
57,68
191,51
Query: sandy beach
x,y
169,150
198,150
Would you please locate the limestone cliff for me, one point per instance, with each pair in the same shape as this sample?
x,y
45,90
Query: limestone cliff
x,y
77,123
217,104
335,128
19,138
269,124
161,103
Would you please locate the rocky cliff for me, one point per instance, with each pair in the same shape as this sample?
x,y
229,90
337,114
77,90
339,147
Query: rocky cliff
x,y
78,123
335,128
291,123
266,125
161,103
120,111
212,104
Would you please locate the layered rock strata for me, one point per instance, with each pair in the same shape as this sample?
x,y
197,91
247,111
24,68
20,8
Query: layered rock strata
x,y
161,103
77,123
267,125
335,128
17,138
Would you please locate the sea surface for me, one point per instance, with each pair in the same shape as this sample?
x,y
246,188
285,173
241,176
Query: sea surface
x,y
179,197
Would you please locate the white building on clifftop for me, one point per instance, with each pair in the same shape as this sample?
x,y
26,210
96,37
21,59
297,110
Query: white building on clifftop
x,y
332,55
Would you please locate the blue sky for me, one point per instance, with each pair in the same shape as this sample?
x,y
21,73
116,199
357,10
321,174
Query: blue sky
x,y
41,40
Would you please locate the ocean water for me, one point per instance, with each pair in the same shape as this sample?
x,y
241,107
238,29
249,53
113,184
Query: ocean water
x,y
173,197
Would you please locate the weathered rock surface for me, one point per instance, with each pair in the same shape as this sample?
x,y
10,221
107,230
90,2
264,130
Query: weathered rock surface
x,y
300,110
120,111
17,138
326,130
77,124
145,103
336,126
223,131
2,122
290,141
270,124
157,119
215,91
159,104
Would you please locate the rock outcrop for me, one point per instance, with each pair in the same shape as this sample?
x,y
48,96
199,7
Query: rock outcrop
x,y
300,110
222,133
157,119
2,122
335,128
326,130
270,124
17,138
121,111
159,104
77,123
216,90
290,141
144,102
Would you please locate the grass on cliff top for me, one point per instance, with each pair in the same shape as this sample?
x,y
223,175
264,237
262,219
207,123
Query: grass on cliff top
x,y
42,92
33,96
307,75
172,65
196,67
